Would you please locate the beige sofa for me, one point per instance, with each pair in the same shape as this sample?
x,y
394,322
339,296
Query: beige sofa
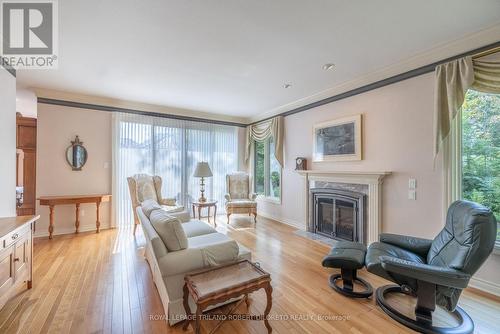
x,y
176,246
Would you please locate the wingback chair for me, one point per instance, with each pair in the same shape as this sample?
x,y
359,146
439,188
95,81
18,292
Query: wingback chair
x,y
239,199
143,187
435,271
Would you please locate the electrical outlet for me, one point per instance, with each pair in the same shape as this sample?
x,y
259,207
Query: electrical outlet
x,y
412,183
412,194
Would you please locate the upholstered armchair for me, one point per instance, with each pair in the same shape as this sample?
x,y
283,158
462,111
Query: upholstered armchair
x,y
143,187
435,271
238,196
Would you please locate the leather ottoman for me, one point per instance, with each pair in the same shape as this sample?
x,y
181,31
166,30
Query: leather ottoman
x,y
349,257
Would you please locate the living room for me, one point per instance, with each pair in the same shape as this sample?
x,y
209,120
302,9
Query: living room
x,y
244,167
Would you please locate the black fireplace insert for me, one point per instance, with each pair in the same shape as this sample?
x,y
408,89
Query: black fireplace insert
x,y
338,214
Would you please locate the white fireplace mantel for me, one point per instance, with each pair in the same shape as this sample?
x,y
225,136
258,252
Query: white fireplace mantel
x,y
372,179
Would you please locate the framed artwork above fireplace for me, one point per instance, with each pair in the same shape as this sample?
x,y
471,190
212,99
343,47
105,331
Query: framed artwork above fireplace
x,y
338,140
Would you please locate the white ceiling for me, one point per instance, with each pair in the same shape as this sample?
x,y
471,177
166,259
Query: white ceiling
x,y
232,57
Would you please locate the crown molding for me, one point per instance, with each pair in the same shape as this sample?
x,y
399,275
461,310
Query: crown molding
x,y
445,51
55,97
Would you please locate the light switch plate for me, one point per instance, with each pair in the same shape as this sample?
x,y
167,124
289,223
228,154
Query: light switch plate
x,y
412,194
412,183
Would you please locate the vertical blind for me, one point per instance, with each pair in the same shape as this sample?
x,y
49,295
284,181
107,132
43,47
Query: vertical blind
x,y
171,149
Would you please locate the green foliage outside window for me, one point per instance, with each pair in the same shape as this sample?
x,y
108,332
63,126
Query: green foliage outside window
x,y
275,184
267,170
481,150
259,168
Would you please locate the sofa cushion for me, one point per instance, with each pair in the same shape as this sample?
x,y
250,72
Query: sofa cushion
x,y
149,206
194,228
183,215
201,241
216,248
240,203
169,229
173,208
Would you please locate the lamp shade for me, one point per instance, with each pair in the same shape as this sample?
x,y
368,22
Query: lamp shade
x,y
202,170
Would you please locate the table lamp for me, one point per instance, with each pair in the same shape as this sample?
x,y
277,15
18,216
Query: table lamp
x,y
202,170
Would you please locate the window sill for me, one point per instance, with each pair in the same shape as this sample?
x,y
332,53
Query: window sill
x,y
267,199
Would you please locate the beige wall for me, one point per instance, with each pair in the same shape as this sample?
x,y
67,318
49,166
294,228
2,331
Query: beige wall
x,y
57,127
398,124
7,144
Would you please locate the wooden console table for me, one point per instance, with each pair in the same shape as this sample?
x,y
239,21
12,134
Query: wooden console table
x,y
52,201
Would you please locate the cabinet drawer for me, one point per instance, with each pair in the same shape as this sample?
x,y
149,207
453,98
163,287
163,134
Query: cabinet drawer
x,y
13,236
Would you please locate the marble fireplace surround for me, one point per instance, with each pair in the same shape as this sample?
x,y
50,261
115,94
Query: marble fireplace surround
x,y
372,181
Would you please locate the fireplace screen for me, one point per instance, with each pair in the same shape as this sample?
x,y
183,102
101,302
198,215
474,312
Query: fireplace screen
x,y
325,216
345,218
337,216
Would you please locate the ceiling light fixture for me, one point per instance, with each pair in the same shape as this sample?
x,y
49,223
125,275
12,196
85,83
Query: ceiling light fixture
x,y
328,67
287,85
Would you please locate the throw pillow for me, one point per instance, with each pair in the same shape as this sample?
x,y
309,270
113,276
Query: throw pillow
x,y
169,229
149,206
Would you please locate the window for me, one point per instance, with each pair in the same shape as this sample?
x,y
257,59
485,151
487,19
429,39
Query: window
x,y
267,170
171,149
480,156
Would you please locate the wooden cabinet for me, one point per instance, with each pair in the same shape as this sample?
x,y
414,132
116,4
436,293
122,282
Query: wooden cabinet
x,y
22,256
26,163
16,254
6,273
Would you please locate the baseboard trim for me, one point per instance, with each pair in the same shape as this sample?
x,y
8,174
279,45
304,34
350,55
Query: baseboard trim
x,y
485,286
288,222
43,233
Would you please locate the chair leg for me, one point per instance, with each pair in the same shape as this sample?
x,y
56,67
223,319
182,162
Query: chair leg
x,y
255,217
228,214
135,228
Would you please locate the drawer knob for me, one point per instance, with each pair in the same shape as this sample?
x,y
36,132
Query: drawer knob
x,y
16,259
14,236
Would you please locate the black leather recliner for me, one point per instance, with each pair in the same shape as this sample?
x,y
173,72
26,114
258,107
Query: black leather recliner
x,y
435,271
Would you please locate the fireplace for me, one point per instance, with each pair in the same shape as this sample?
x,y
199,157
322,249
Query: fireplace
x,y
338,214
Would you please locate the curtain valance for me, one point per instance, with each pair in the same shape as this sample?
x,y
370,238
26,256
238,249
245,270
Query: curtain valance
x,y
264,130
453,79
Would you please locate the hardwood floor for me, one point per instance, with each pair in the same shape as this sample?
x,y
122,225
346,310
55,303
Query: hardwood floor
x,y
100,283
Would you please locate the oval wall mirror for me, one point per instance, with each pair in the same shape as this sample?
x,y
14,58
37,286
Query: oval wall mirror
x,y
76,154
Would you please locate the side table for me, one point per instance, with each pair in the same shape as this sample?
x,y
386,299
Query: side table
x,y
207,204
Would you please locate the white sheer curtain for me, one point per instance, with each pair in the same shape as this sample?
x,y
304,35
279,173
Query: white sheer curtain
x,y
171,149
